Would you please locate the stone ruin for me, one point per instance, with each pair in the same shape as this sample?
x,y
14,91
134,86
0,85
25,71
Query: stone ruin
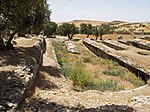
x,y
137,43
17,84
71,47
114,45
105,53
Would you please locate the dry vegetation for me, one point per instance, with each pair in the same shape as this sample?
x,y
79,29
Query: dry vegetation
x,y
91,72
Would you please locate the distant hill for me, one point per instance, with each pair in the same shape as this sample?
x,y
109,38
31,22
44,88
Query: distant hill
x,y
121,26
78,22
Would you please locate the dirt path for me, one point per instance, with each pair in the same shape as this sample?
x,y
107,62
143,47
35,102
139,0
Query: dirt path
x,y
54,93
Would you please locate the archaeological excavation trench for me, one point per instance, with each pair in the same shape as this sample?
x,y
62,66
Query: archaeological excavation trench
x,y
102,50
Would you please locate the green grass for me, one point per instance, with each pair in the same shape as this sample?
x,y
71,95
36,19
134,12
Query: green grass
x,y
104,85
114,70
137,81
87,59
77,73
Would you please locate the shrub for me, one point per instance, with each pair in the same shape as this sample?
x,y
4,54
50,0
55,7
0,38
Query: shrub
x,y
137,81
104,85
87,60
114,71
77,73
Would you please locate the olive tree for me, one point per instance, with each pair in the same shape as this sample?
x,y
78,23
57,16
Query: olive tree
x,y
101,30
21,16
67,29
86,29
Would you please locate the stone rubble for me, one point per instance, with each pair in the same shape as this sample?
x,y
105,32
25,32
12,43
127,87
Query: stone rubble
x,y
15,84
71,47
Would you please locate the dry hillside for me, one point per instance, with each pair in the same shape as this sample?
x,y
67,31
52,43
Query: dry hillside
x,y
137,27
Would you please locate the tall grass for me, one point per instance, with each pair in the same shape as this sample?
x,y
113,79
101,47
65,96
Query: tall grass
x,y
104,85
114,70
77,73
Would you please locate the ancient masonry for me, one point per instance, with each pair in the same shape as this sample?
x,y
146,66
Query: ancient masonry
x,y
137,43
105,53
71,47
17,85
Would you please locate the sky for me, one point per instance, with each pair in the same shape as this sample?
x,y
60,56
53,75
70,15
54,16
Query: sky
x,y
100,10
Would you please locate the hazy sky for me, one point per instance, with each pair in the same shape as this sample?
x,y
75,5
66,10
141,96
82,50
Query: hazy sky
x,y
102,10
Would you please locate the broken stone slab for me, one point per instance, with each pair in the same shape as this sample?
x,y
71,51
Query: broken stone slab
x,y
71,47
114,45
140,44
124,42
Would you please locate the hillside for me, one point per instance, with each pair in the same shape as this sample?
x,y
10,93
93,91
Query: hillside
x,y
78,22
121,26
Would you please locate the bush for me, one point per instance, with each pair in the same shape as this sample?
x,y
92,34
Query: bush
x,y
137,81
87,60
104,85
77,73
114,72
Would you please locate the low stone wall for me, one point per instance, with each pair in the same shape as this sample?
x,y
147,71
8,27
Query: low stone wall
x,y
17,84
138,43
104,53
114,46
124,42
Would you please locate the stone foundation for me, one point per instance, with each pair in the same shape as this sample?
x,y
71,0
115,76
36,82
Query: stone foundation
x,y
17,84
104,53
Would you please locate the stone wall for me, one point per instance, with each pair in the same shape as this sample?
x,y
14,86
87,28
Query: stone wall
x,y
113,45
17,84
138,43
104,53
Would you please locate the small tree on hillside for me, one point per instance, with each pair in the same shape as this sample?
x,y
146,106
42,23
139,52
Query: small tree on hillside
x,y
95,31
101,30
50,28
83,29
22,16
67,29
86,29
105,29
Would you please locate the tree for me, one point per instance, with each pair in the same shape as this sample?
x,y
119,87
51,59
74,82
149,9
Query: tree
x,y
86,29
101,30
83,29
21,16
105,29
89,30
67,29
95,31
50,28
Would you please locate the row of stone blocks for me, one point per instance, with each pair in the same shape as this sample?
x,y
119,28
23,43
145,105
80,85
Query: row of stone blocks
x,y
104,53
137,43
18,84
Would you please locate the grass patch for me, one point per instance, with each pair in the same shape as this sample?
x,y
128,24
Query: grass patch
x,y
137,81
104,85
77,73
87,60
114,71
